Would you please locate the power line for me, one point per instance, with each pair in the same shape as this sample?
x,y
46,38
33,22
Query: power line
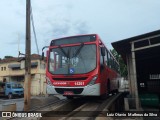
x,y
34,31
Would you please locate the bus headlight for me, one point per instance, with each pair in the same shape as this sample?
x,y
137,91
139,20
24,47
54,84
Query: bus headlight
x,y
48,81
92,82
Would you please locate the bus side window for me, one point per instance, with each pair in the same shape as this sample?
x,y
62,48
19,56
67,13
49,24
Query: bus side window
x,y
113,64
101,58
109,60
106,57
117,67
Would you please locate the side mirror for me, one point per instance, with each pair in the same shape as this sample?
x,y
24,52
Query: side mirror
x,y
103,51
43,52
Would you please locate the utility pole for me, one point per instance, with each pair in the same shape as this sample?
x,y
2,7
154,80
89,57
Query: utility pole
x,y
27,85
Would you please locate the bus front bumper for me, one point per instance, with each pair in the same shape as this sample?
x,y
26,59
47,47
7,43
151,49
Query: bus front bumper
x,y
89,90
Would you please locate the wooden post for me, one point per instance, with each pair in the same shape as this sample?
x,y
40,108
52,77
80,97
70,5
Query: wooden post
x,y
27,85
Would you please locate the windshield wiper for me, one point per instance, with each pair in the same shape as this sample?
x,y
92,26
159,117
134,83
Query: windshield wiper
x,y
78,50
63,51
68,57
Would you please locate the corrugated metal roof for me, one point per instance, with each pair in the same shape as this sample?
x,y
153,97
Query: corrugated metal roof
x,y
15,59
123,47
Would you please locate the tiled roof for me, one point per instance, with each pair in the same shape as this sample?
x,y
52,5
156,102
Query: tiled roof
x,y
15,59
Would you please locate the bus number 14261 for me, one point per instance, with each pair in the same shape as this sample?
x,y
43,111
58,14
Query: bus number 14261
x,y
79,83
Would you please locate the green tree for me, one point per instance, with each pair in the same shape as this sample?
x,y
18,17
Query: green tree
x,y
123,67
8,57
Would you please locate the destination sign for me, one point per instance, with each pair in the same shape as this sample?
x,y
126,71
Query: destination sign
x,y
154,76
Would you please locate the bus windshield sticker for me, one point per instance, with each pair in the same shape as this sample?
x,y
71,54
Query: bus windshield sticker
x,y
71,70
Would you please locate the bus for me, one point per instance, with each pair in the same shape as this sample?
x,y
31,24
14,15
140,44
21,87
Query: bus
x,y
81,66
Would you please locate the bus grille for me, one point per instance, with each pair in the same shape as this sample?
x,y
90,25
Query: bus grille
x,y
74,90
70,79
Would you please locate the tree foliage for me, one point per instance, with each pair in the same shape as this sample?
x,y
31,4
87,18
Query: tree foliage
x,y
8,57
123,67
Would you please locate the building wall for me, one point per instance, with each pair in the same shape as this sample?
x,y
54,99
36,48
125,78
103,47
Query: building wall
x,y
38,85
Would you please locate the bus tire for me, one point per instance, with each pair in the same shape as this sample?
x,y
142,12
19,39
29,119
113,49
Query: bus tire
x,y
10,96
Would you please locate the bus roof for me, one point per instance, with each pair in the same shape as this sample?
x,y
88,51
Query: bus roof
x,y
74,39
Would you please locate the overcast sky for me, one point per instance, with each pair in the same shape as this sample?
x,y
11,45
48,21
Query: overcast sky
x,y
113,20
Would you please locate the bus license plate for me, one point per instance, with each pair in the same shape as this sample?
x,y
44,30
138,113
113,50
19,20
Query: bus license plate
x,y
68,93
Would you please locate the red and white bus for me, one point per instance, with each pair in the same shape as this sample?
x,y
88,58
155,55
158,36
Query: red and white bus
x,y
81,66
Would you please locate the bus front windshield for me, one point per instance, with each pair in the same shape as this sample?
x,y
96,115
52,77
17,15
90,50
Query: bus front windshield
x,y
73,59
